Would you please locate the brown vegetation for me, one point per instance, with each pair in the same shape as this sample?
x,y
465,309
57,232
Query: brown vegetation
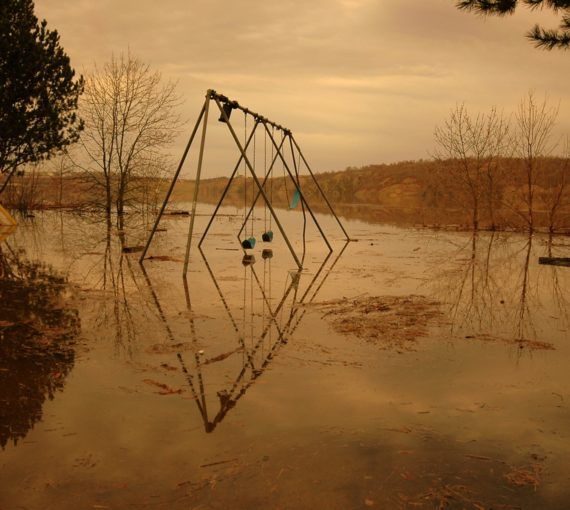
x,y
390,322
408,192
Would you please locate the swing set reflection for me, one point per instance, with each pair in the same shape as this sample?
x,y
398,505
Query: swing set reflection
x,y
266,325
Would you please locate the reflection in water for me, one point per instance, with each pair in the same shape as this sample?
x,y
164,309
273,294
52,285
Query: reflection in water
x,y
495,288
326,421
116,312
264,329
37,337
111,273
6,231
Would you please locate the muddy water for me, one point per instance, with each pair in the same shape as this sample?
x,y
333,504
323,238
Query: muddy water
x,y
231,388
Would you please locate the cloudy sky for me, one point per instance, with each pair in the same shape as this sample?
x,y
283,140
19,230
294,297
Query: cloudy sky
x,y
357,81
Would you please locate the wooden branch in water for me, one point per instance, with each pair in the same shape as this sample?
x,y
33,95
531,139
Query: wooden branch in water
x,y
555,261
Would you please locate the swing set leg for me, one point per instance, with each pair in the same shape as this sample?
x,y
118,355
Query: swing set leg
x,y
227,188
297,187
320,189
258,184
197,183
174,179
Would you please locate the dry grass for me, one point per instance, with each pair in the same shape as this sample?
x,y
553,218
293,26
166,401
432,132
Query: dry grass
x,y
391,322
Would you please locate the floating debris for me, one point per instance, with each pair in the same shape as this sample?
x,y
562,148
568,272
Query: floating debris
x,y
391,322
554,261
132,249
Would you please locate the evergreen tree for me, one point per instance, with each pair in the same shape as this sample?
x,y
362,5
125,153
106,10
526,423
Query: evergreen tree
x,y
38,90
543,38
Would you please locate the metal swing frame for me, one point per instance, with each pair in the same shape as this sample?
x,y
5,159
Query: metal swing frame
x,y
225,105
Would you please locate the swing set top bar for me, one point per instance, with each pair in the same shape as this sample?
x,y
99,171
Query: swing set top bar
x,y
212,94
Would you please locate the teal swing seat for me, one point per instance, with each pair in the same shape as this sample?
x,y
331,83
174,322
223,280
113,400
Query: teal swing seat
x,y
267,237
295,199
248,244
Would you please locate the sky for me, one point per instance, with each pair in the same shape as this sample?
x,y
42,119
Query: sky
x,y
357,81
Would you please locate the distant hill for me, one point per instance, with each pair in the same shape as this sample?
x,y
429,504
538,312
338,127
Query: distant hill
x,y
414,192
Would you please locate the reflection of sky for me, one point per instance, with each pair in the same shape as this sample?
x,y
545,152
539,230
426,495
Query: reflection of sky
x,y
359,81
321,391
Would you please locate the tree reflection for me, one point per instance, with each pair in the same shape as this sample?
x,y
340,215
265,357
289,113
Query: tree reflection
x,y
496,289
118,284
38,331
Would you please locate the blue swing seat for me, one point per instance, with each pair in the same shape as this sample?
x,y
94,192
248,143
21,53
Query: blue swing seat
x,y
248,244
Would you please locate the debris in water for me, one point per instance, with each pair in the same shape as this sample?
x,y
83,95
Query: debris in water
x,y
132,249
521,343
391,322
555,261
164,258
164,388
522,477
221,357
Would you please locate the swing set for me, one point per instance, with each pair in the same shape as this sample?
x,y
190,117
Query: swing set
x,y
279,139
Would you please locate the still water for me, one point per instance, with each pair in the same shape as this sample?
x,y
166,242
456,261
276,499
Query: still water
x,y
124,386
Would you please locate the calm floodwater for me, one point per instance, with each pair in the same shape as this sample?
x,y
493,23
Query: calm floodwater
x,y
123,388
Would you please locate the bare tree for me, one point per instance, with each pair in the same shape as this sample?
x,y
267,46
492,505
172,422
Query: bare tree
x,y
556,190
130,118
469,152
534,122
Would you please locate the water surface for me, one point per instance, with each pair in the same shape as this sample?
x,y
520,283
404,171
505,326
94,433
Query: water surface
x,y
130,387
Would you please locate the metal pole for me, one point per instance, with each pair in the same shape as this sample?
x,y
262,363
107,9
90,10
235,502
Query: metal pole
x,y
320,189
258,184
271,314
197,182
258,193
299,189
227,186
197,361
329,271
170,334
241,338
174,179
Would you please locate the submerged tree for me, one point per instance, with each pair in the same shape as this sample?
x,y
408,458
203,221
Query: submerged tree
x,y
130,118
543,38
534,122
469,151
38,92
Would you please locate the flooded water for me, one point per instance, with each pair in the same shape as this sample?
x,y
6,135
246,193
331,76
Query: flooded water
x,y
124,386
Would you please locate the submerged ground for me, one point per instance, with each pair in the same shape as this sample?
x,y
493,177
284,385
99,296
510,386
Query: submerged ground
x,y
410,369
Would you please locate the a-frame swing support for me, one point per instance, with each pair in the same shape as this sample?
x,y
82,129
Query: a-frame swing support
x,y
222,102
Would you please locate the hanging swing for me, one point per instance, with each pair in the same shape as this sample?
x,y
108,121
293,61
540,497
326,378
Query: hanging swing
x,y
249,242
267,236
295,200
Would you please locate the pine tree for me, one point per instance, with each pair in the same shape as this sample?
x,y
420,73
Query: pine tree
x,y
542,37
38,90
